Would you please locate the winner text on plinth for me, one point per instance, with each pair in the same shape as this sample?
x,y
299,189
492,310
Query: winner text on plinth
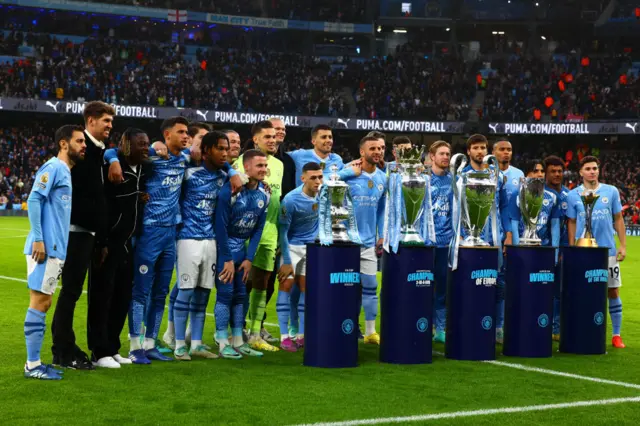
x,y
332,305
407,305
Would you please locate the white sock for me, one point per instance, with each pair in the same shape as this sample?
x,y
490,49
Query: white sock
x,y
370,327
180,343
135,343
223,343
171,329
148,344
300,336
33,364
237,341
196,343
284,337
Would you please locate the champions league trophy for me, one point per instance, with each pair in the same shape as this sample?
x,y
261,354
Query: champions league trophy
x,y
530,197
589,198
476,199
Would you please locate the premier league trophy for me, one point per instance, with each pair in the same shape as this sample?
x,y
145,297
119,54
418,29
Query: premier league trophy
x,y
530,272
585,273
407,264
471,291
589,198
332,301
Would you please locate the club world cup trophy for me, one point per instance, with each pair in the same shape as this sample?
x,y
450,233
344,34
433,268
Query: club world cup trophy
x,y
475,197
530,200
337,218
589,198
414,189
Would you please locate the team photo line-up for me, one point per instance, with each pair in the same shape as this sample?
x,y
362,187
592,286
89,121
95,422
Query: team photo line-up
x,y
238,218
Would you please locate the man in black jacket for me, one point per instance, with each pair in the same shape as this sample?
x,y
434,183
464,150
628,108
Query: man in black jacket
x,y
112,286
88,220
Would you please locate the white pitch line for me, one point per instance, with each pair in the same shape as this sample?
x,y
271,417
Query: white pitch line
x,y
15,236
562,374
486,412
14,229
21,280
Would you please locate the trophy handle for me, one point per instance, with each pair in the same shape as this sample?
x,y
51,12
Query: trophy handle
x,y
456,169
491,160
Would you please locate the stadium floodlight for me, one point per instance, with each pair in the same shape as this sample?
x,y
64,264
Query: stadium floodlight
x,y
543,37
400,31
494,32
448,29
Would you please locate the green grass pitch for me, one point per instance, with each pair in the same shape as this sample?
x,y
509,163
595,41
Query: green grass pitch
x,y
278,390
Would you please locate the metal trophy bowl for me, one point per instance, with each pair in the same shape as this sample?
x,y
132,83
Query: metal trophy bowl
x,y
531,197
414,189
337,193
589,198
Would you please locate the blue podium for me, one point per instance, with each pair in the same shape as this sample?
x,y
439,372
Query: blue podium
x,y
583,304
471,305
528,312
332,305
406,303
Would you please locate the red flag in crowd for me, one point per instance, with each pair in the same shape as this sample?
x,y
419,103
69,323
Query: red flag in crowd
x,y
537,114
585,61
623,79
568,78
203,65
548,102
561,86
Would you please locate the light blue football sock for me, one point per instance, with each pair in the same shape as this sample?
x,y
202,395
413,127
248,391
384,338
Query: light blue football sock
x,y
34,327
615,311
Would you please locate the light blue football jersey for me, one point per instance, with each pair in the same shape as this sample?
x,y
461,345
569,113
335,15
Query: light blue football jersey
x,y
545,217
441,206
369,197
52,190
511,209
605,208
298,221
304,156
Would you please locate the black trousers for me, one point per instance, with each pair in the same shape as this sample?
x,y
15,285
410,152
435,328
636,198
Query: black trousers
x,y
109,299
79,254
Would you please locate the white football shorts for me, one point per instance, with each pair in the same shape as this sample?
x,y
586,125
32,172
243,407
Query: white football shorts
x,y
43,277
368,261
298,260
615,279
196,265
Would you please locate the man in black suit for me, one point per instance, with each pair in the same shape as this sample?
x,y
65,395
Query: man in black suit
x,y
88,220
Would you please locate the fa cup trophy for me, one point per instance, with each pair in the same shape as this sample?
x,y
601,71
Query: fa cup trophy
x,y
589,198
530,198
337,219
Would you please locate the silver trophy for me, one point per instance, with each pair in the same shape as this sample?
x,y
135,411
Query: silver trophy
x,y
476,198
337,190
414,189
530,197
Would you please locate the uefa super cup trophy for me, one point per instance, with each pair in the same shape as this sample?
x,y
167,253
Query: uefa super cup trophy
x,y
530,197
476,197
336,215
589,198
414,189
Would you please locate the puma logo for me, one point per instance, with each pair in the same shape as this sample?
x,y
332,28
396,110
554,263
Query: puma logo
x,y
345,123
494,127
632,127
202,114
53,106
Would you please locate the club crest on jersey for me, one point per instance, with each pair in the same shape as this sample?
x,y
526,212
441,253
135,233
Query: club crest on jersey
x,y
220,182
370,184
268,172
322,165
260,204
515,182
545,202
564,205
314,207
284,211
45,177
185,278
605,200
380,187
144,269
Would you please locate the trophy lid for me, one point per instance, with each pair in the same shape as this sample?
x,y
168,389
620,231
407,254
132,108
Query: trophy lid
x,y
411,155
589,196
334,180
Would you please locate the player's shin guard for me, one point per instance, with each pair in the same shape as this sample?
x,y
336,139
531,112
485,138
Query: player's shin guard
x,y
615,311
258,301
34,327
222,310
301,315
293,320
283,308
369,301
198,308
172,301
181,314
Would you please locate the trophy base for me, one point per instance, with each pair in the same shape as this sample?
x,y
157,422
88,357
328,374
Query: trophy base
x,y
411,239
586,242
474,242
530,242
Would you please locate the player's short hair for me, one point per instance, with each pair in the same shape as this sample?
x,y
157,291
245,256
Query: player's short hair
x,y
367,139
589,159
227,131
275,118
251,154
211,139
316,129
475,139
493,145
530,165
378,135
553,160
311,166
65,133
437,145
401,140
260,126
125,141
170,123
96,109
195,127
